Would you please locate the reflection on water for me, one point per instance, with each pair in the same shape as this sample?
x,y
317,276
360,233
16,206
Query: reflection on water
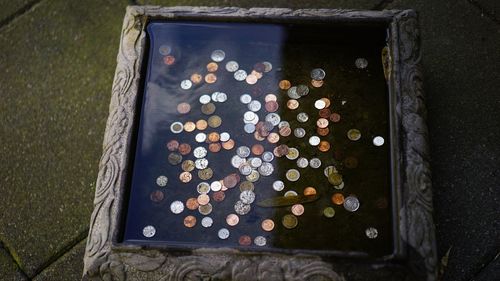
x,y
239,118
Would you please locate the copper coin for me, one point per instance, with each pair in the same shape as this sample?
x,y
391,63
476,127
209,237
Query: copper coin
x,y
338,199
169,60
292,104
203,199
251,79
324,146
212,67
157,196
183,107
351,162
281,150
232,219
325,113
184,149
201,124
257,149
260,67
231,180
218,196
189,221
381,203
192,203
208,108
210,78
189,126
245,240
213,137
214,121
309,191
271,106
298,209
327,102
273,138
257,74
335,117
285,131
258,137
267,225
185,177
284,84
172,145
323,131
322,123
317,83
228,145
214,147
196,78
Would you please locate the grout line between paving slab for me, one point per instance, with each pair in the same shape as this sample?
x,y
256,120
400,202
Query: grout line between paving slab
x,y
382,5
13,256
23,10
485,265
485,12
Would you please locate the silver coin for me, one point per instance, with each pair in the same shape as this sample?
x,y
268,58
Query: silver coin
x,y
319,104
186,84
165,50
221,97
293,153
201,164
260,241
329,169
290,193
315,163
361,63
241,208
204,99
253,177
218,55
149,231
267,156
371,232
299,132
224,136
351,203
255,162
245,169
232,66
223,233
266,169
245,98
240,75
249,116
302,117
200,137
161,181
207,222
302,90
237,161
243,151
203,187
340,186
267,66
200,152
292,93
247,197
302,162
215,186
318,74
176,127
254,105
378,141
278,185
177,207
249,128
273,118
283,124
314,140
255,121
213,97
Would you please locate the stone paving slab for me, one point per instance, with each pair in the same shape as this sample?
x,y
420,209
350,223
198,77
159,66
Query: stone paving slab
x,y
294,4
9,7
58,61
68,267
8,268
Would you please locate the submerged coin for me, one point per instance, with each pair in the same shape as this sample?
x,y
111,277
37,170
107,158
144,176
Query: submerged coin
x,y
205,209
338,199
329,212
371,232
201,125
207,222
317,83
302,162
322,123
212,66
335,178
223,233
260,241
361,63
156,196
232,219
177,207
247,197
224,136
189,126
203,188
240,75
378,141
299,132
192,203
149,231
243,151
318,74
218,196
246,185
205,174
169,60
289,221
323,131
232,66
186,84
188,165
302,117
324,146
208,108
200,152
165,50
176,127
298,209
162,181
251,79
203,199
302,90
354,134
267,66
210,78
218,55
309,191
216,186
278,185
245,240
184,148
241,208
292,104
293,153
185,177
245,98
196,78
254,106
183,107
174,158
314,140
351,203
172,145
190,221
214,121
267,225
271,106
292,175
335,117
315,163
228,145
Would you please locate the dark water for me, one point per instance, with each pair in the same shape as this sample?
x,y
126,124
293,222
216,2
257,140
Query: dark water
x,y
293,50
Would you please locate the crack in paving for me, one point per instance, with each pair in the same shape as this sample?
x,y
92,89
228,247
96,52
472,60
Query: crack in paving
x,y
13,258
489,14
485,265
23,10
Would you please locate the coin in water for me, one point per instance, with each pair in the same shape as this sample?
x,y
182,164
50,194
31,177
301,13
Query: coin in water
x,y
177,207
315,163
218,196
251,79
192,203
207,222
298,209
245,169
299,132
224,136
232,66
267,225
319,104
245,98
255,162
293,153
218,55
271,106
278,185
200,152
165,50
302,162
174,158
208,108
189,126
290,193
240,75
231,180
267,66
162,181
289,221
186,84
325,113
361,63
176,127
212,67
249,116
257,149
201,124
189,221
213,136
203,199
371,232
266,169
309,191
351,203
188,165
273,138
241,208
324,146
149,231
272,119
292,175
302,117
354,134
335,178
340,186
254,106
228,144
223,233
329,170
205,209
338,199
285,131
253,177
172,145
314,140
169,60
317,83
322,123
245,240
302,90
292,104
183,107
221,97
232,219
292,93
185,177
284,84
335,117
267,156
378,141
184,149
246,185
215,186
156,196
249,128
318,74
323,131
247,197
196,78
243,151
270,97
260,241
237,161
203,188
205,174
210,78
329,212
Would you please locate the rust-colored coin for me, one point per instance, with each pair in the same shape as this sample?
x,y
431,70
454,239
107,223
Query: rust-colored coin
x,y
292,104
201,124
213,137
189,126
184,148
232,219
228,145
317,83
257,149
183,107
298,209
335,117
169,60
218,196
309,191
214,147
203,199
157,196
271,106
185,177
338,199
267,225
208,108
351,162
281,150
172,145
231,180
285,131
189,221
325,113
322,123
212,67
196,78
210,78
273,138
327,102
324,146
323,131
284,84
214,121
192,204
245,240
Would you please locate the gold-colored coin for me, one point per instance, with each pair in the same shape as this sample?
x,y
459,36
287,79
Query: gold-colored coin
x,y
354,134
335,178
289,221
284,84
210,78
329,212
247,185
214,121
205,174
188,165
212,67
208,108
267,225
201,124
189,126
309,191
324,146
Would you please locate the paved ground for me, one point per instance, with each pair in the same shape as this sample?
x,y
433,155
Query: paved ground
x,y
57,60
